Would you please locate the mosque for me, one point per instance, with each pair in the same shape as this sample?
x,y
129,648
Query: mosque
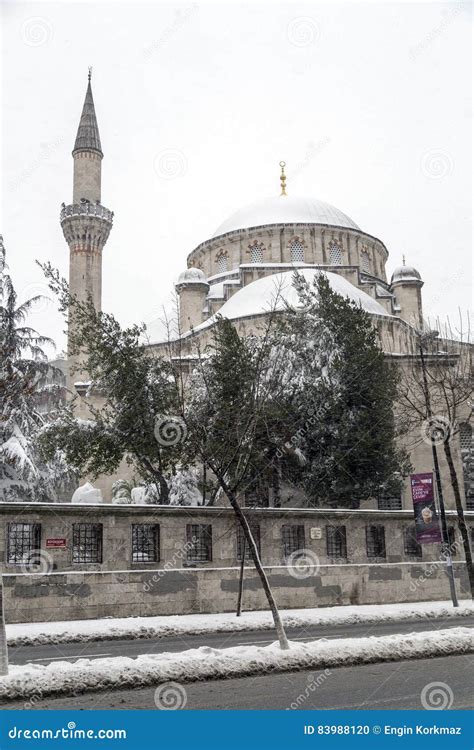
x,y
251,254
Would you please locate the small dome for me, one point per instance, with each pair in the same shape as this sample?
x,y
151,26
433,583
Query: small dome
x,y
405,273
192,276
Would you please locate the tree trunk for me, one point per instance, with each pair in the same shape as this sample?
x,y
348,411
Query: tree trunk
x,y
460,512
3,637
258,565
241,580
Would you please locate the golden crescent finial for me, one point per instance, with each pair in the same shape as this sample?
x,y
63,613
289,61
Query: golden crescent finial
x,y
89,75
283,178
403,259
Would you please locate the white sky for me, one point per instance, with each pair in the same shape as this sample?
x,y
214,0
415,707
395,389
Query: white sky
x,y
369,103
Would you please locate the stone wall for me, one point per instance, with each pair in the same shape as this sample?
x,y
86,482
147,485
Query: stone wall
x,y
59,588
76,596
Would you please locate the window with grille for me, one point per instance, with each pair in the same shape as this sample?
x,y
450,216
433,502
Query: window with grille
x,y
375,541
412,547
297,251
23,543
256,253
336,541
222,263
364,262
452,541
293,539
243,544
87,542
335,254
145,542
199,542
389,503
466,439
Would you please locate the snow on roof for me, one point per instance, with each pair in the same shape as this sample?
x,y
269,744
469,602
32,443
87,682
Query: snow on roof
x,y
260,296
285,210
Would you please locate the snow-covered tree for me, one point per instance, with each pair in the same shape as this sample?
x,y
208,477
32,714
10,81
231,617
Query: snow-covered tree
x,y
340,400
24,474
137,419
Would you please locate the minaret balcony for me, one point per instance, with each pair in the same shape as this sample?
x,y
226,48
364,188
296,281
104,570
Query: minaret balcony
x,y
86,209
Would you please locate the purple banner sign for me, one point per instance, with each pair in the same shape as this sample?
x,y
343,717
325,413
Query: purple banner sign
x,y
427,524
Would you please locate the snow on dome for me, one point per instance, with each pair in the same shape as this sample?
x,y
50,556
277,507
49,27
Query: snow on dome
x,y
192,276
258,297
285,210
405,273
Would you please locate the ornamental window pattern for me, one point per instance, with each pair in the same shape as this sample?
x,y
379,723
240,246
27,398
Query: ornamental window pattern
x,y
375,541
243,547
23,543
293,539
364,262
411,546
336,541
256,252
296,251
222,261
335,254
199,542
87,543
466,439
145,542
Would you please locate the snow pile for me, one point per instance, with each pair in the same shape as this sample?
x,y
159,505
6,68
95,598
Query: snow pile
x,y
87,493
207,663
77,631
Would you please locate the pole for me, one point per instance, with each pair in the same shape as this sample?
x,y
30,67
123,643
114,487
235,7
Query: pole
x,y
444,526
241,580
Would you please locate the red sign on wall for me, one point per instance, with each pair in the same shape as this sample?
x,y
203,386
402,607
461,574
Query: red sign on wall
x,y
56,542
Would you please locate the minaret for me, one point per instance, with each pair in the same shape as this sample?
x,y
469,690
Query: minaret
x,y
86,223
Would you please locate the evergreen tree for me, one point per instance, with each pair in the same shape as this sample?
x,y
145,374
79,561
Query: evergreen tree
x,y
342,401
139,400
24,475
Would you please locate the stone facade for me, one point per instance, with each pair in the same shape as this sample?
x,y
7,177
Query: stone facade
x,y
176,583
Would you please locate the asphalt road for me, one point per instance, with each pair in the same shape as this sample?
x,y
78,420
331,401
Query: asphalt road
x,y
392,685
44,654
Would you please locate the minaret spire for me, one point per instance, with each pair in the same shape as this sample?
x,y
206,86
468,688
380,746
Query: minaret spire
x,y
88,138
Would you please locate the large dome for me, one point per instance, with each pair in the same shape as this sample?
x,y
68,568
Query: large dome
x,y
285,209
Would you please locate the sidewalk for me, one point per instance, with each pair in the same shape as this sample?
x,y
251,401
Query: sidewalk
x,y
75,631
171,669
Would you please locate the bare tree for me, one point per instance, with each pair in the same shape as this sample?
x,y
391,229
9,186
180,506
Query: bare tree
x,y
436,399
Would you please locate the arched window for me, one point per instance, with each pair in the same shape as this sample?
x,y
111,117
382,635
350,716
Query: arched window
x,y
256,252
222,261
466,439
296,251
364,262
335,254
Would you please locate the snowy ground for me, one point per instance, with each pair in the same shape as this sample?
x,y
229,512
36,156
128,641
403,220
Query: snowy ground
x,y
84,675
160,627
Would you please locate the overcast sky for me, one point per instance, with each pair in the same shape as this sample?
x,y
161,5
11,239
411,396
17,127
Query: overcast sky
x,y
368,103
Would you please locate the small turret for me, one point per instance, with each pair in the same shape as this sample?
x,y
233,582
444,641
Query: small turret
x,y
406,284
192,287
